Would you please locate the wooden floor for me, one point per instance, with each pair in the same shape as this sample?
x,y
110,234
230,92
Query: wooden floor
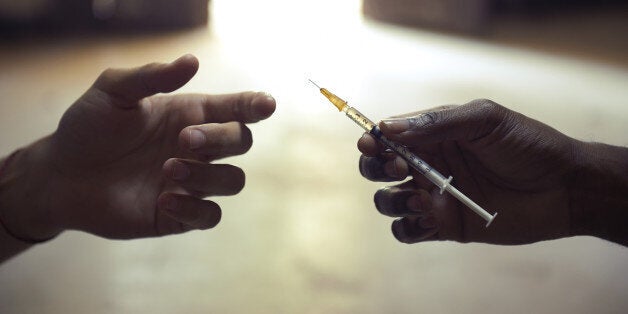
x,y
304,236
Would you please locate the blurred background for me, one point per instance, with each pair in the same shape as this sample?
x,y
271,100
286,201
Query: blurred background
x,y
304,236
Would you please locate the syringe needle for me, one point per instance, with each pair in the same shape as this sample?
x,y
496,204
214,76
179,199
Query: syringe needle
x,y
413,160
314,83
337,101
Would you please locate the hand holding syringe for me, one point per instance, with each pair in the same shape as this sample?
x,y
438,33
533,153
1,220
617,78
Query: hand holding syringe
x,y
413,160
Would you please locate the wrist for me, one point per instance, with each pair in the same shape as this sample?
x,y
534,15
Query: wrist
x,y
598,189
25,189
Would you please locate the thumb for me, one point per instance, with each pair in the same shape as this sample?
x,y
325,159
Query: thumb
x,y
127,86
469,122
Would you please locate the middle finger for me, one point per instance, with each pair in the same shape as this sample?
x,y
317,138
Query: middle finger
x,y
216,140
403,200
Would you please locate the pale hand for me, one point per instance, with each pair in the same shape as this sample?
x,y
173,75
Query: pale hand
x,y
123,164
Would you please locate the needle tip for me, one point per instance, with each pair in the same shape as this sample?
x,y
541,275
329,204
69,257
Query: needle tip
x,y
314,83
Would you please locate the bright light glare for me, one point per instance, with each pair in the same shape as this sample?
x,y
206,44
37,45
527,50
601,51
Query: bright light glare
x,y
289,41
258,20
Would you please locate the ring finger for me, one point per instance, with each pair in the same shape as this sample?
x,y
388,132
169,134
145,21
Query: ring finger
x,y
202,179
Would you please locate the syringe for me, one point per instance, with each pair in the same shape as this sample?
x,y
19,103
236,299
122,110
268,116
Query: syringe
x,y
413,160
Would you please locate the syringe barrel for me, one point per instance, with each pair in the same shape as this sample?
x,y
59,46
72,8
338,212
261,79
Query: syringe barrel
x,y
417,163
359,118
414,161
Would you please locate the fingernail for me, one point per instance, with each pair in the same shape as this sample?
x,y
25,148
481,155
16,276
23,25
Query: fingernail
x,y
197,139
263,111
395,125
180,171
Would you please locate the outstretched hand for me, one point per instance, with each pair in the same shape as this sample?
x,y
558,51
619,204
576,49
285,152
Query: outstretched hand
x,y
126,164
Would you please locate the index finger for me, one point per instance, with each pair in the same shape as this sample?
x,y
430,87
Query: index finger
x,y
423,111
247,107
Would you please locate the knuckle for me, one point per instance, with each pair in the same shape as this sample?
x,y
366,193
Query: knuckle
x,y
207,102
107,73
428,118
217,137
236,107
150,66
241,106
482,102
142,74
424,120
105,77
399,168
184,137
488,106
491,114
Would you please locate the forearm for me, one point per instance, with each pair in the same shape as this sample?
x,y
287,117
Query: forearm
x,y
599,192
10,245
24,186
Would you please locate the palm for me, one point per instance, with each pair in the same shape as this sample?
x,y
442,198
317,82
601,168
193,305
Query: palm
x,y
115,157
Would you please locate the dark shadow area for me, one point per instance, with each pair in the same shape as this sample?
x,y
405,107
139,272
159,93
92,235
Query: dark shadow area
x,y
587,29
44,18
